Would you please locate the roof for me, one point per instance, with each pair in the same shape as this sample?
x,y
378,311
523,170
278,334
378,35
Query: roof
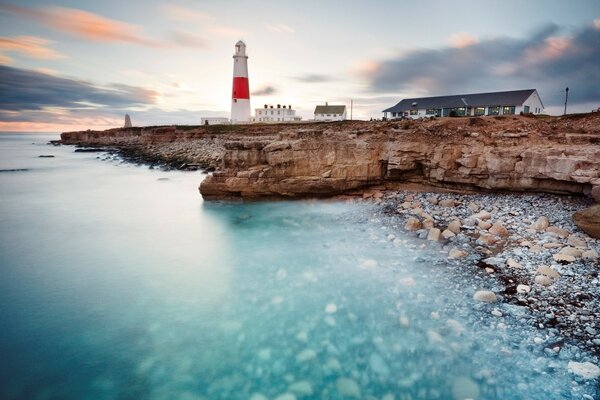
x,y
330,109
510,98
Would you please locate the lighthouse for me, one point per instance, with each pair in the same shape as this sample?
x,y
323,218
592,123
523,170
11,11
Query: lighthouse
x,y
240,95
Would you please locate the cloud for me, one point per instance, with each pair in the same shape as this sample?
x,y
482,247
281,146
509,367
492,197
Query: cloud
x,y
547,60
462,39
31,90
187,39
84,24
264,91
314,78
279,28
597,23
185,14
29,46
226,31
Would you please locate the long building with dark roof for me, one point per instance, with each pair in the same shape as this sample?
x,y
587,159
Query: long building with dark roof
x,y
476,104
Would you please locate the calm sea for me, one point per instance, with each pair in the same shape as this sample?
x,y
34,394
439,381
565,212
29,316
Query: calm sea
x,y
119,282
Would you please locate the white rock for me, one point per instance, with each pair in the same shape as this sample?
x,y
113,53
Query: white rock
x,y
590,255
485,296
483,215
455,326
378,365
523,289
258,396
302,336
464,388
511,262
404,322
548,271
330,308
264,354
586,370
332,365
367,263
302,388
496,312
305,355
286,396
543,280
348,387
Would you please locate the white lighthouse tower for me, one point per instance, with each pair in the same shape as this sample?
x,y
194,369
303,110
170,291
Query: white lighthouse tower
x,y
240,95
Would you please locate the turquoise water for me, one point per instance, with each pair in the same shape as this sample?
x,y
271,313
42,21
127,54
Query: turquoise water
x,y
118,282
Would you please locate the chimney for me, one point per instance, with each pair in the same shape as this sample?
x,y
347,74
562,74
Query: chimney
x,y
326,104
266,106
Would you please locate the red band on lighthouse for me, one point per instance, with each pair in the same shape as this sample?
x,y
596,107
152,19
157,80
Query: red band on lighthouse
x,y
240,88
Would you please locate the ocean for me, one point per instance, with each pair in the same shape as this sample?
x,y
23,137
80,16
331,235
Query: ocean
x,y
119,282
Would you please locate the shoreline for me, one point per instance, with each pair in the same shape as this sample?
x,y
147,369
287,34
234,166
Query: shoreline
x,y
552,271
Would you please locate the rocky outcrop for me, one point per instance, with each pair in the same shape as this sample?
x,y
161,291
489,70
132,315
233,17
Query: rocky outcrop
x,y
543,154
511,153
588,220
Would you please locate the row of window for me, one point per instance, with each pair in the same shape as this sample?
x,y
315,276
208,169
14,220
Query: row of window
x,y
266,112
462,111
266,119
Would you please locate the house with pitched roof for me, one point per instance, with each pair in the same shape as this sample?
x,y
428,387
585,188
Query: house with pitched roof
x,y
475,104
330,113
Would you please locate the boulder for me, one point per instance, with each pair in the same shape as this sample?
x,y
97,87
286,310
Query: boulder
x,y
457,253
596,193
523,289
412,224
585,370
541,224
485,296
447,203
487,239
483,215
543,280
590,255
454,226
434,234
548,271
588,220
448,234
499,230
558,231
484,225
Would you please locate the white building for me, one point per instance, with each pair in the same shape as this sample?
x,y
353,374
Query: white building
x,y
280,113
477,104
215,121
330,113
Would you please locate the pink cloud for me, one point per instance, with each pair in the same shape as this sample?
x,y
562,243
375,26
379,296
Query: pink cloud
x,y
553,47
29,46
597,23
180,13
462,39
84,24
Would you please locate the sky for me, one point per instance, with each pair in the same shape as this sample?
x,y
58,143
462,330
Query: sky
x,y
72,65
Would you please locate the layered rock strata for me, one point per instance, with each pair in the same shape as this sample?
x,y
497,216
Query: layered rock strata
x,y
510,153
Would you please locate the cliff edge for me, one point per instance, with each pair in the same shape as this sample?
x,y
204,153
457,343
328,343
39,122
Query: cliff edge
x,y
512,153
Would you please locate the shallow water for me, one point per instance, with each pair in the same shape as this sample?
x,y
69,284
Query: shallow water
x,y
118,282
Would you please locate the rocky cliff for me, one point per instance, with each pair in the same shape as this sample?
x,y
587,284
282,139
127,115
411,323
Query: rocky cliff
x,y
549,154
560,155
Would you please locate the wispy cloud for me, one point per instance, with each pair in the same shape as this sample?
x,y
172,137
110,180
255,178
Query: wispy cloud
x,y
185,14
597,23
314,78
28,46
279,28
226,31
84,24
265,91
187,39
547,60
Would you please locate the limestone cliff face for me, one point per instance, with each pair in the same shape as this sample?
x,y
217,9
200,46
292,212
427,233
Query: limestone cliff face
x,y
511,153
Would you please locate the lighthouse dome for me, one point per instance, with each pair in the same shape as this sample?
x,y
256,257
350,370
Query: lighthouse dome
x,y
240,49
